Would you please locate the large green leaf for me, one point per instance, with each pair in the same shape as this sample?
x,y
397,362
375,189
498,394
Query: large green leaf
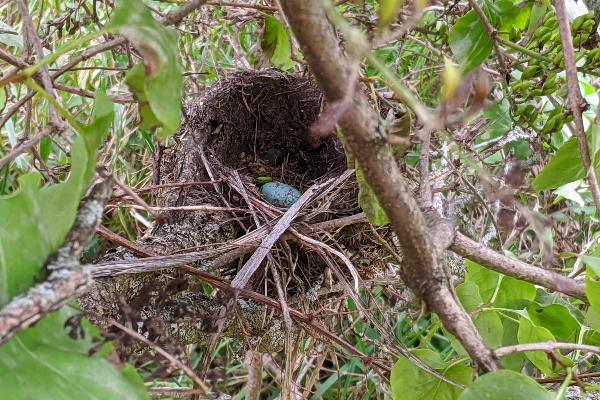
x,y
158,84
504,385
34,221
469,42
410,382
44,363
566,165
276,45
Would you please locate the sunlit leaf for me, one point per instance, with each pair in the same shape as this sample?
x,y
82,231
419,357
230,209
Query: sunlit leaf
x,y
469,42
276,45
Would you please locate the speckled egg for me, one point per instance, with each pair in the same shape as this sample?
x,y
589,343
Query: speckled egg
x,y
279,194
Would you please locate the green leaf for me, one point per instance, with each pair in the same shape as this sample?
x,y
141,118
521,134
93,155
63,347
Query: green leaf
x,y
592,288
490,327
2,98
468,294
45,148
531,333
592,262
486,279
34,221
504,385
513,361
410,382
388,10
514,293
538,11
499,116
276,45
556,318
158,83
42,362
566,165
369,203
469,42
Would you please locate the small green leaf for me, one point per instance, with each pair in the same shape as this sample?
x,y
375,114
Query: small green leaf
x,y
504,385
42,362
592,288
276,45
566,165
369,203
410,382
45,148
538,11
490,327
2,99
499,116
158,84
469,42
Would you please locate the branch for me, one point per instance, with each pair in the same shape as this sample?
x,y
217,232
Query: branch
x,y
576,101
548,347
421,270
67,279
487,257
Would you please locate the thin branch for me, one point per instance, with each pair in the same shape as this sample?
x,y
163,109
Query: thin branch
x,y
548,347
576,101
25,146
176,16
173,360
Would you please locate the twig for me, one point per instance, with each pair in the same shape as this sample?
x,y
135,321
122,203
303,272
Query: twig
x,y
176,16
67,278
187,370
576,101
25,146
244,274
547,347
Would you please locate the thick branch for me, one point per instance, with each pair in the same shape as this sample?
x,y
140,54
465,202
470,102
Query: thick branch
x,y
422,270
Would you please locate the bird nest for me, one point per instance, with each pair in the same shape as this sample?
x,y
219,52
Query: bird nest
x,y
250,125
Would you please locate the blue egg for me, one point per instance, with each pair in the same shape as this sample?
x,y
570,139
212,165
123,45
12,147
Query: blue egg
x,y
279,194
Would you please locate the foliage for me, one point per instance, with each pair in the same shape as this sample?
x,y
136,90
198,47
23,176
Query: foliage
x,y
138,88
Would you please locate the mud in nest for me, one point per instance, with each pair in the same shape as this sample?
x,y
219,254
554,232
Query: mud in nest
x,y
257,122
